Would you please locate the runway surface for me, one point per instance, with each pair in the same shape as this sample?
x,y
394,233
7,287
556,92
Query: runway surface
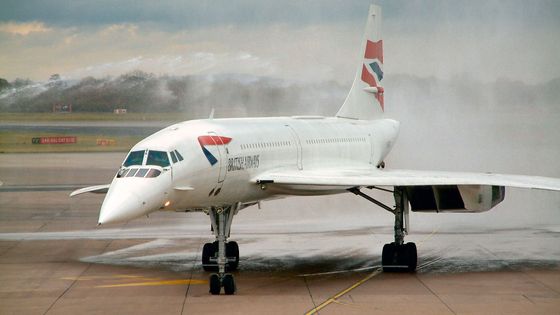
x,y
298,255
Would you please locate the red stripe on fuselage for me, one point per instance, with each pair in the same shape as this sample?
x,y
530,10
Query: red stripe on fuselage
x,y
213,140
374,50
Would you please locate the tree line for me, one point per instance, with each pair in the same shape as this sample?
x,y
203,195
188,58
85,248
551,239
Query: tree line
x,y
139,91
246,95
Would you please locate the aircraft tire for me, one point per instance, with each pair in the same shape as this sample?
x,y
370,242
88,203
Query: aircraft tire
x,y
411,256
232,250
209,250
215,285
404,255
388,257
229,284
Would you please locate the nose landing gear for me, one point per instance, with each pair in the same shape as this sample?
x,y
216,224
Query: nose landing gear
x,y
221,256
210,256
226,281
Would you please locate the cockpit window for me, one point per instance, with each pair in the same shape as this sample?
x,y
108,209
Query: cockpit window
x,y
158,158
131,172
141,172
178,155
153,173
122,172
138,172
173,157
134,158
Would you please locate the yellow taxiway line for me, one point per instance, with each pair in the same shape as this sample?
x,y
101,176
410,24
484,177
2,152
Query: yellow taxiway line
x,y
141,281
89,278
153,283
333,299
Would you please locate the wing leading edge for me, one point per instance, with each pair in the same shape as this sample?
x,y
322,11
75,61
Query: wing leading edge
x,y
404,178
427,191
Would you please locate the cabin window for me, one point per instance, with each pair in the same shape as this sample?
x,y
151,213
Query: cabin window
x,y
158,158
134,158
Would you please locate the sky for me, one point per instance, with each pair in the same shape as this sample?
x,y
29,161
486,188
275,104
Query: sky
x,y
309,41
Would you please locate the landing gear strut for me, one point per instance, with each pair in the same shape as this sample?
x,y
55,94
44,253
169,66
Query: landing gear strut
x,y
397,256
221,256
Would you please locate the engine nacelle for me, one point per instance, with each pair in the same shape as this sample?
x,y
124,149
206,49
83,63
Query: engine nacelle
x,y
454,198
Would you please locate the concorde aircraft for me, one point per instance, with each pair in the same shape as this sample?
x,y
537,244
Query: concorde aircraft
x,y
221,166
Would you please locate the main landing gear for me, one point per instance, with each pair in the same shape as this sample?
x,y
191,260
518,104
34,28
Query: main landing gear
x,y
397,256
221,256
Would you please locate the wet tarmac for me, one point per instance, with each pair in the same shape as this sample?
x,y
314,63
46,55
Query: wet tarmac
x,y
296,256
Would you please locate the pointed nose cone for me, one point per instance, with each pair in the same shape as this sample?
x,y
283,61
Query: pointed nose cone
x,y
120,208
133,197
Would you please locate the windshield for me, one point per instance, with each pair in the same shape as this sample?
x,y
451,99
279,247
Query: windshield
x,y
134,158
158,158
173,157
138,172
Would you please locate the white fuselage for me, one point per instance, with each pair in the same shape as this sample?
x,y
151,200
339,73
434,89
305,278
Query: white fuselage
x,y
220,157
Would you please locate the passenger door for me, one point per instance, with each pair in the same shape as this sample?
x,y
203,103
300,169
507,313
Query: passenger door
x,y
223,156
298,147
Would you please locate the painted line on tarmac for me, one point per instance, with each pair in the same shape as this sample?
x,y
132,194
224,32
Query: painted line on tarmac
x,y
143,281
333,299
154,283
89,278
337,272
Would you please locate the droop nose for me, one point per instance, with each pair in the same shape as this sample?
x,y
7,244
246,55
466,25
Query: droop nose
x,y
132,197
126,206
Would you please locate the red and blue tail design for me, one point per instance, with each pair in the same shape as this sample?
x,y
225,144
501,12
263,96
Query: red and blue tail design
x,y
210,140
365,99
373,61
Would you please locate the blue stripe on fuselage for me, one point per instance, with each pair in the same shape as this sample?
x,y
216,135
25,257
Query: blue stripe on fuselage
x,y
212,159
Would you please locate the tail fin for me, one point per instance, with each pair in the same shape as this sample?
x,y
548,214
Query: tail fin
x,y
365,99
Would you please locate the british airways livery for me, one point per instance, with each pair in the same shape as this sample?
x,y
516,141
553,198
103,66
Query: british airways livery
x,y
218,167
